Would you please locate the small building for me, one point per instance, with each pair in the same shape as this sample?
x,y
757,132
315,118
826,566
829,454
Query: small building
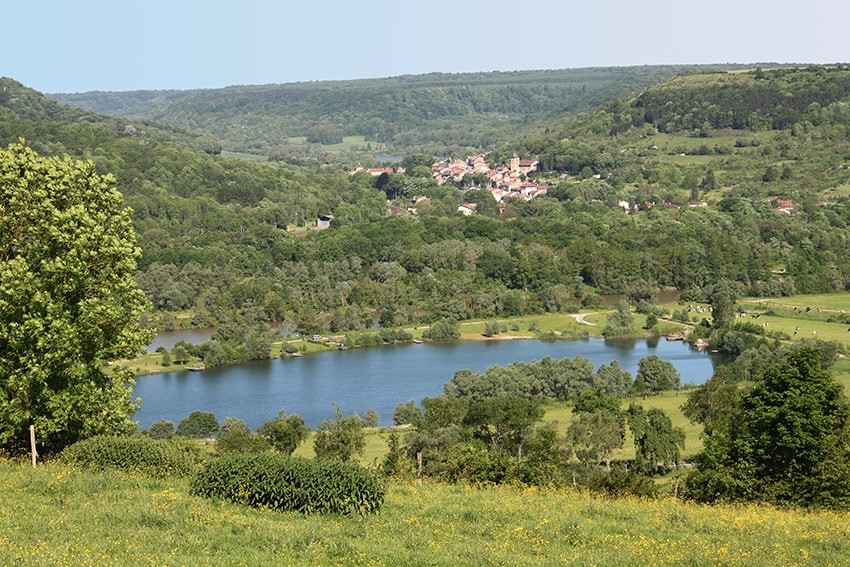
x,y
324,221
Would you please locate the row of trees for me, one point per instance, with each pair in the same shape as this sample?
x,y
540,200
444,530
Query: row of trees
x,y
341,438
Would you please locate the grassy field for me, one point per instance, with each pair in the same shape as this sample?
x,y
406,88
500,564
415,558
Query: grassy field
x,y
59,516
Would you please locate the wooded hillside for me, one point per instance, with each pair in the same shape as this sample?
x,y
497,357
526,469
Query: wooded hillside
x,y
437,113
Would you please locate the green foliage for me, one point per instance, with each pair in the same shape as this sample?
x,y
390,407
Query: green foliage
x,y
162,429
284,483
148,457
396,464
445,329
235,437
656,375
198,424
407,413
371,418
285,432
546,378
657,442
621,482
788,442
596,435
437,112
503,422
546,458
621,322
68,301
341,438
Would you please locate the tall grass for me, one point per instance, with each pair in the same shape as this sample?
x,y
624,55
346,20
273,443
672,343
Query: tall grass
x,y
55,515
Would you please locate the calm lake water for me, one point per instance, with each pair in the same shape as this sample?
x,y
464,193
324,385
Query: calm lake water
x,y
379,378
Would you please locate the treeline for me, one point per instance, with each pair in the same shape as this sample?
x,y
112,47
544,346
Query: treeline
x,y
550,257
435,112
487,427
216,241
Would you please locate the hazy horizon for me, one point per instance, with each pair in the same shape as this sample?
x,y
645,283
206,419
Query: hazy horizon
x,y
99,45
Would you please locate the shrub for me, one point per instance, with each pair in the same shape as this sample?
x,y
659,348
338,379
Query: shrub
x,y
162,429
197,425
284,483
234,437
621,482
150,457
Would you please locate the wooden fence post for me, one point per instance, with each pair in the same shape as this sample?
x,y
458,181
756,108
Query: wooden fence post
x,y
32,445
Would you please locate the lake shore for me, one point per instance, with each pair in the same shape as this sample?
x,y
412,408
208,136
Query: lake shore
x,y
545,326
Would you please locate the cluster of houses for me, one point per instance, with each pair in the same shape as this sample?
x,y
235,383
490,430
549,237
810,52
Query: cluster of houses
x,y
504,182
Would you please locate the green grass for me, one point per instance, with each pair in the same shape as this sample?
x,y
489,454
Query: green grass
x,y
670,402
789,315
242,155
58,516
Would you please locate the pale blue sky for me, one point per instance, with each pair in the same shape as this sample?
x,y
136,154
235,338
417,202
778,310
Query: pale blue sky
x,y
83,45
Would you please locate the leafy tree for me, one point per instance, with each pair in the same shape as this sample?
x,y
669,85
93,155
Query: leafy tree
x,y
656,375
198,424
162,429
722,299
407,413
68,302
546,458
285,432
503,422
789,443
596,435
371,418
621,323
179,354
657,442
594,399
396,463
443,330
235,437
340,438
443,411
613,380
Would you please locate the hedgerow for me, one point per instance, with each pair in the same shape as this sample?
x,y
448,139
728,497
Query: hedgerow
x,y
284,483
150,457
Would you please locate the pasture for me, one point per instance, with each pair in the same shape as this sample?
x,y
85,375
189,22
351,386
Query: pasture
x,y
56,515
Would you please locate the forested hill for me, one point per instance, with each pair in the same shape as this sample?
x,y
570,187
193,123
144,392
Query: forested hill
x,y
436,113
233,240
21,103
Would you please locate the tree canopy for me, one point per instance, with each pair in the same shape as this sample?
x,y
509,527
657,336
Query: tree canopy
x,y
788,443
68,301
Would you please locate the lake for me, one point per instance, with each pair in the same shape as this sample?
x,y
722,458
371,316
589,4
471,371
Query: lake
x,y
379,378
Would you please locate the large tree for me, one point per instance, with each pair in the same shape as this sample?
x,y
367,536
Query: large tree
x,y
68,301
789,441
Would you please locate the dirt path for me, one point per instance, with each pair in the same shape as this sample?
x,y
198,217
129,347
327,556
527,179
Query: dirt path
x,y
579,317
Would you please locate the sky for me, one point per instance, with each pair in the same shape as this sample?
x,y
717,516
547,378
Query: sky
x,y
62,46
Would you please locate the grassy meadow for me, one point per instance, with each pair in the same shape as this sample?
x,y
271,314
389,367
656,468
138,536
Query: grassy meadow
x,y
54,515
58,515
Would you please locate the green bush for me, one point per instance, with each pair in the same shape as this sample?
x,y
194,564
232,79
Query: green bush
x,y
150,457
280,482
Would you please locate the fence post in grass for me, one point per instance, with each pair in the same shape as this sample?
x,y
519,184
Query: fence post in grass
x,y
419,464
32,445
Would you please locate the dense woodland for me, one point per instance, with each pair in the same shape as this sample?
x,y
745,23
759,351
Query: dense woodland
x,y
437,113
224,238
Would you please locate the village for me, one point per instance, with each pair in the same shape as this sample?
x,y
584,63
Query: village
x,y
505,182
